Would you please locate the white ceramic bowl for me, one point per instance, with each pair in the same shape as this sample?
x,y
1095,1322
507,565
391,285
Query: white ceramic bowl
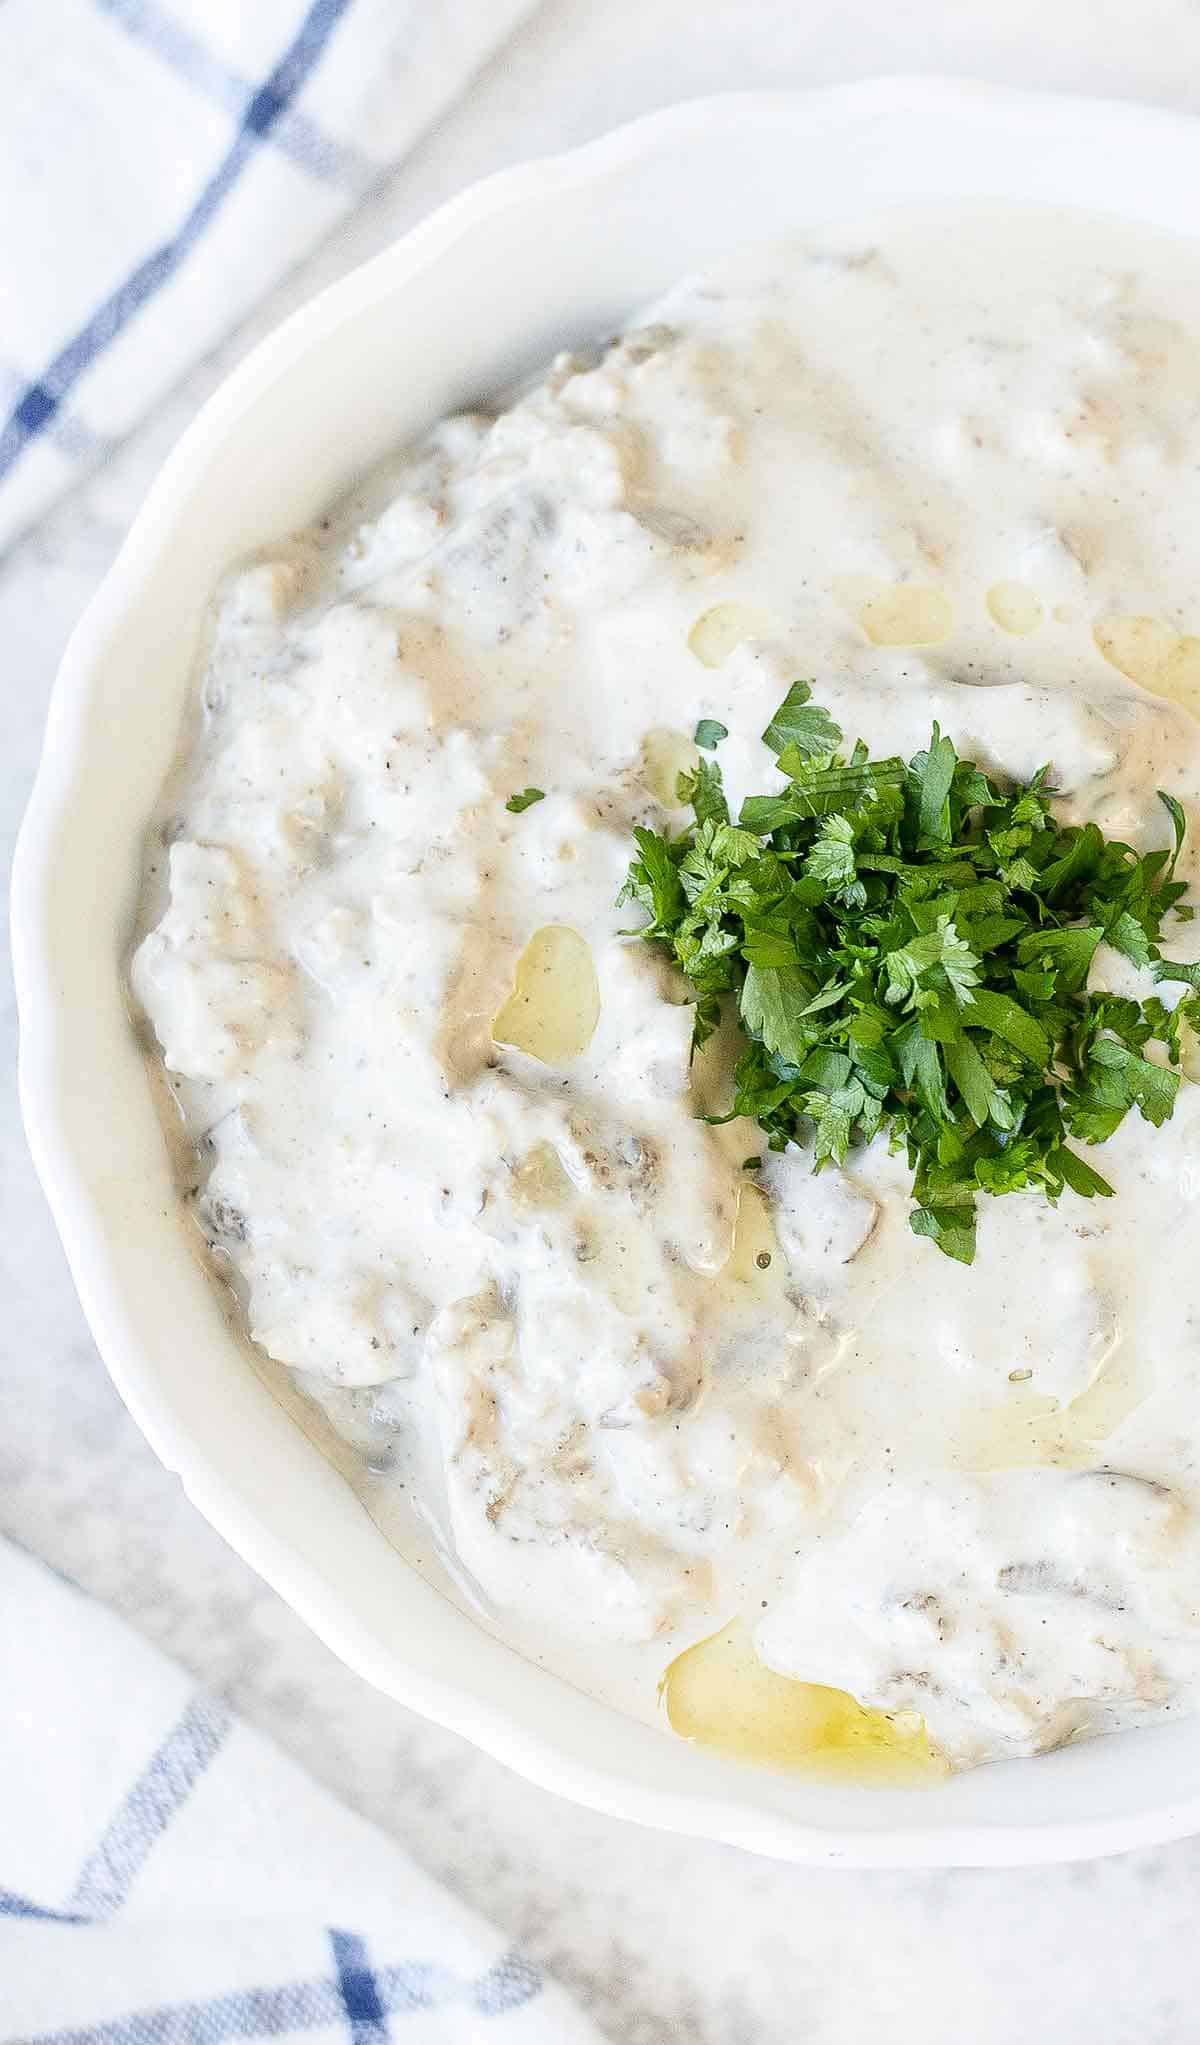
x,y
552,253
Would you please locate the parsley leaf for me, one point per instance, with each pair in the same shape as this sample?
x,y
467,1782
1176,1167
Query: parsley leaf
x,y
709,733
916,970
1175,811
1128,936
525,800
801,729
706,1018
1006,1018
951,1228
1114,1080
704,790
834,1115
1171,969
653,882
1079,1176
772,1005
932,776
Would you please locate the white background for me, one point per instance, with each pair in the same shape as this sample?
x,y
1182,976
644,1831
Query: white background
x,y
664,1940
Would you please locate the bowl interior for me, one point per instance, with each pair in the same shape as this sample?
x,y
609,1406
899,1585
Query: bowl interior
x,y
536,259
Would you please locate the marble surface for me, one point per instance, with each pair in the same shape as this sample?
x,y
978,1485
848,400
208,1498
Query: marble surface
x,y
665,1941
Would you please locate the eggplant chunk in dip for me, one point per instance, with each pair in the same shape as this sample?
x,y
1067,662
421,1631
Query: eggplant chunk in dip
x,y
638,1375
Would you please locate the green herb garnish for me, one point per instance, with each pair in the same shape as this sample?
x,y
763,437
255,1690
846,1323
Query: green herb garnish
x,y
525,800
908,947
709,733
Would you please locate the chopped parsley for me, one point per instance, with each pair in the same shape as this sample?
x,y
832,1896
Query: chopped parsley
x,y
525,800
709,734
907,947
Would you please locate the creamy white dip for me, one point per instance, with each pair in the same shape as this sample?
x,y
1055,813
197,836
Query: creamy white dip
x,y
948,468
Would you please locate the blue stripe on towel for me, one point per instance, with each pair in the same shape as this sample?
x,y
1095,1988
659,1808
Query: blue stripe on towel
x,y
293,133
69,435
243,2013
165,1784
510,1983
12,1905
267,106
359,1989
302,2006
415,1984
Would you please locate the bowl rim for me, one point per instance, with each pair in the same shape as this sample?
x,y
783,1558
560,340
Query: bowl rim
x,y
47,1112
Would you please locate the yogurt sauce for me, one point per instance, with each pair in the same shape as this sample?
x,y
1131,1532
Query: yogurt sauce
x,y
949,468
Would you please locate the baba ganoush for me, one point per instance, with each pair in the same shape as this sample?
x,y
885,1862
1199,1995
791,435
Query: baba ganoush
x,y
656,1407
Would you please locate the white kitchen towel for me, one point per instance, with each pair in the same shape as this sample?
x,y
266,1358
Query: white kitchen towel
x,y
162,164
168,1878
